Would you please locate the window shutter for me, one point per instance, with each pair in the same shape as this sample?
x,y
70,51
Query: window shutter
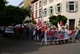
x,y
76,5
49,10
67,6
50,1
56,9
53,9
60,7
44,2
43,12
46,11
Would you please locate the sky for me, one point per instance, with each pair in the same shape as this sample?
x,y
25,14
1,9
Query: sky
x,y
14,2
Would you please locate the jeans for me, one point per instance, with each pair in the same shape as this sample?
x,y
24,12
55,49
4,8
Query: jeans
x,y
24,36
77,37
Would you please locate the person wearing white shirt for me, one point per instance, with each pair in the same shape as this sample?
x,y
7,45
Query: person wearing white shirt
x,y
67,32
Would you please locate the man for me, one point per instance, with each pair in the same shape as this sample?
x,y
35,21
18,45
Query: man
x,y
24,33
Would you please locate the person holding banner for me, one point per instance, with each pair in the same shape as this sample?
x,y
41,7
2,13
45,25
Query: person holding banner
x,y
53,34
45,40
39,34
43,29
61,35
67,32
72,35
77,35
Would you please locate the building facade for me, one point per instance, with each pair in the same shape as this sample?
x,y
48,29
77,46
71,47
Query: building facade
x,y
27,3
68,8
37,9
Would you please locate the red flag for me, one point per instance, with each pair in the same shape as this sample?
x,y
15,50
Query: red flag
x,y
39,24
61,23
32,15
73,32
43,29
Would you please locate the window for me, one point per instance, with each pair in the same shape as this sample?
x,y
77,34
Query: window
x,y
36,14
50,1
72,6
33,7
45,12
36,5
58,8
51,10
45,2
40,4
40,13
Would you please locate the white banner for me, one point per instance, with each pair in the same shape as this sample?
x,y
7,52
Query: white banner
x,y
55,35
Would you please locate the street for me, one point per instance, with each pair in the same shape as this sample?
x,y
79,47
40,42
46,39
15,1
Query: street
x,y
11,46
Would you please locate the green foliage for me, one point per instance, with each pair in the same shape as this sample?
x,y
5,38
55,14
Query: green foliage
x,y
55,19
13,15
30,21
63,19
79,21
2,5
27,21
33,21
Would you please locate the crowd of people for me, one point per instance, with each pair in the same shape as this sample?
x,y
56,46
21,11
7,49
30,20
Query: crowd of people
x,y
34,33
64,35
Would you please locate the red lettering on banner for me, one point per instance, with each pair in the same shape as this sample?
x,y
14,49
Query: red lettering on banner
x,y
61,36
55,32
47,33
51,33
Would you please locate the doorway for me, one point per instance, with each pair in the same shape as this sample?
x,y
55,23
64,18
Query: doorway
x,y
72,23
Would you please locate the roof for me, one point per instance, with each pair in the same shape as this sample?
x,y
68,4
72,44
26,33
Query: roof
x,y
34,1
21,3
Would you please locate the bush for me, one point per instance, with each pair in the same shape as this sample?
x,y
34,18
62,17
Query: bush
x,y
29,21
56,19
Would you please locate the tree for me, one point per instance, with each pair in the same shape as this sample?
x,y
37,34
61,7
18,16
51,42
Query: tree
x,y
13,15
27,21
53,19
56,19
2,4
62,18
34,22
30,21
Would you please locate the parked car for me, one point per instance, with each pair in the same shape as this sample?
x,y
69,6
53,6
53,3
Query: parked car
x,y
7,31
1,29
